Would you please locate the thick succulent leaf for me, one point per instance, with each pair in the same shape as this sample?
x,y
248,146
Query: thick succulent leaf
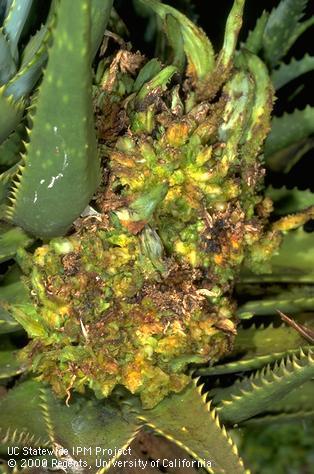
x,y
284,160
255,394
148,72
197,47
11,114
61,167
259,124
33,46
300,398
22,418
7,323
12,238
287,201
254,41
254,347
100,13
233,26
282,29
31,415
293,263
12,291
14,23
286,131
8,66
287,72
10,149
5,181
287,301
9,364
188,421
175,39
296,256
236,115
27,76
302,415
296,405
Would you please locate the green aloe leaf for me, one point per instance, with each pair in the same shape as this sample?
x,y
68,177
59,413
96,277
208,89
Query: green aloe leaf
x,y
254,41
256,346
31,415
297,416
61,157
148,72
255,394
287,201
282,29
100,13
294,261
11,239
233,26
5,181
197,47
8,66
11,148
188,421
14,23
9,364
286,301
258,124
288,131
295,68
11,114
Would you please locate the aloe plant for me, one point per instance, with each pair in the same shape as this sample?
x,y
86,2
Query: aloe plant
x,y
126,292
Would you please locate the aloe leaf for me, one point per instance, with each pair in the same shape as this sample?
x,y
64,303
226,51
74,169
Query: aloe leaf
x,y
282,29
100,13
14,23
61,158
11,238
178,417
8,66
12,291
287,72
255,394
33,46
287,303
287,201
24,81
22,420
33,61
197,47
300,398
31,415
236,114
5,181
299,416
259,123
11,114
284,160
7,323
295,259
148,72
9,364
288,130
233,26
254,41
11,148
254,347
176,42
